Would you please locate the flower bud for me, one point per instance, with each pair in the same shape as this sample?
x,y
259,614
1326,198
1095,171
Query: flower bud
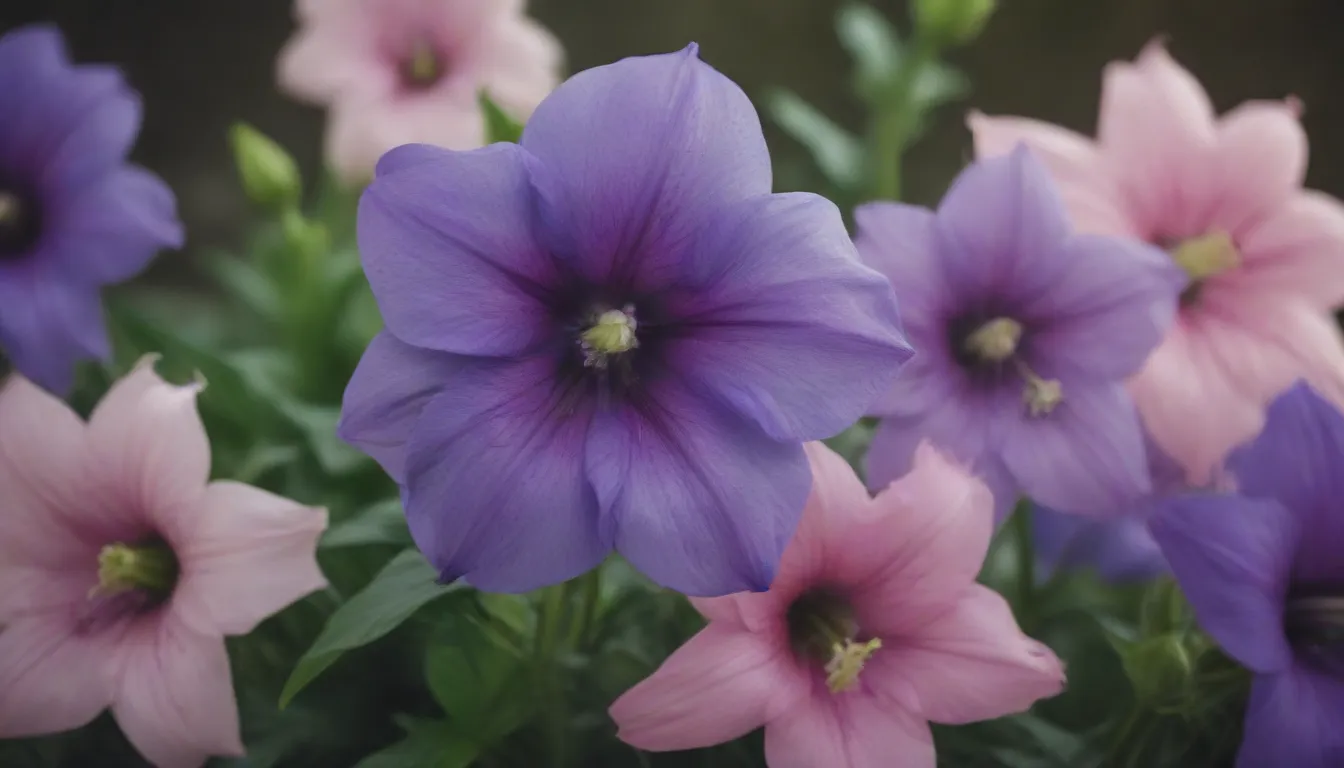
x,y
270,176
1159,668
952,22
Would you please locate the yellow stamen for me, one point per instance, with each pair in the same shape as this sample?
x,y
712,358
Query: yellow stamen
x,y
847,661
996,340
423,66
1040,395
612,334
123,568
11,208
1208,255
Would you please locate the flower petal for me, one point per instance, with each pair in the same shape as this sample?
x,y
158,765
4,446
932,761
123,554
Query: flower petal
x,y
1294,718
696,497
852,730
996,224
175,699
1231,556
787,326
972,663
1299,250
48,322
638,155
1107,312
1260,161
148,456
250,554
722,684
924,544
1084,457
1089,192
51,679
113,228
1297,460
901,242
1120,549
447,246
496,492
390,388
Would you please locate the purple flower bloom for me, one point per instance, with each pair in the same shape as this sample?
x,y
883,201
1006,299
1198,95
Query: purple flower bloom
x,y
612,336
74,216
1025,332
1264,572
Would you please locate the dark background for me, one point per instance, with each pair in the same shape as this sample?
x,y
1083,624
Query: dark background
x,y
203,64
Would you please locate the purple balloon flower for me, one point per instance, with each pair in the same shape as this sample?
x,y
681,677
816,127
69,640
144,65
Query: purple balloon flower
x,y
74,216
1264,572
1026,333
612,336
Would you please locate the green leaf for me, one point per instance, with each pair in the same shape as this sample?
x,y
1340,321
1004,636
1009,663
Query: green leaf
x,y
836,152
404,586
481,683
427,743
382,523
873,43
498,125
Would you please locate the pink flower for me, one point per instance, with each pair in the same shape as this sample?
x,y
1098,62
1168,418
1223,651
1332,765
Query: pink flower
x,y
122,569
399,72
873,626
1224,197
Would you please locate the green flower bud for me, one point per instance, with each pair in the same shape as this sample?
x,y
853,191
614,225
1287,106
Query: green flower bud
x,y
270,176
952,22
1159,668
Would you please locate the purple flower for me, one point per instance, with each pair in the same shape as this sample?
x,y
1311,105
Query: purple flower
x,y
1026,333
1264,572
74,216
612,336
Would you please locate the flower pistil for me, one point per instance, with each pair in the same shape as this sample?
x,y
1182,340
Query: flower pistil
x,y
1206,256
612,333
145,567
17,226
997,341
822,627
423,67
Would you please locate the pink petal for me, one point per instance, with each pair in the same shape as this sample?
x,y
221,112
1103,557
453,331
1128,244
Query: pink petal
x,y
926,544
360,129
521,64
51,680
1085,185
1189,406
1260,161
250,554
174,699
1299,250
42,448
721,684
849,730
1156,130
149,455
972,663
759,612
335,51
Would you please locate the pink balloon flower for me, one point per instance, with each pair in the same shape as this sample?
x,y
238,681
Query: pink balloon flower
x,y
873,626
1224,197
122,569
396,72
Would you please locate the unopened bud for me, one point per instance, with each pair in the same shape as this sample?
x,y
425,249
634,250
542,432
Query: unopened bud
x,y
952,22
270,176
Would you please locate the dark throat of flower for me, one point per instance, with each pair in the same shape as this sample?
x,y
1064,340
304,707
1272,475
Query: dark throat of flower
x,y
132,579
423,66
20,223
823,631
992,349
1202,258
1314,623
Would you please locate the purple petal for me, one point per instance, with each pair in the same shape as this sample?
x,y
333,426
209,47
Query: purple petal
x,y
1107,311
92,124
1231,556
694,496
1120,549
1086,456
784,324
446,240
998,225
1299,459
640,154
391,386
900,241
47,324
496,492
113,228
1294,718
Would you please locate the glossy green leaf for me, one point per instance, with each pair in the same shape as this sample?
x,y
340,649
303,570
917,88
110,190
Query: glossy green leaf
x,y
381,523
429,743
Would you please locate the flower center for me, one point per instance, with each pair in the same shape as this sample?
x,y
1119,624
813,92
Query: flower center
x,y
20,224
997,342
1314,620
423,67
822,628
150,568
1204,257
611,333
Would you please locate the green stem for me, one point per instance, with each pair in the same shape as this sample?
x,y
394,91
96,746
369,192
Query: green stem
x,y
555,711
894,120
1026,562
591,584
